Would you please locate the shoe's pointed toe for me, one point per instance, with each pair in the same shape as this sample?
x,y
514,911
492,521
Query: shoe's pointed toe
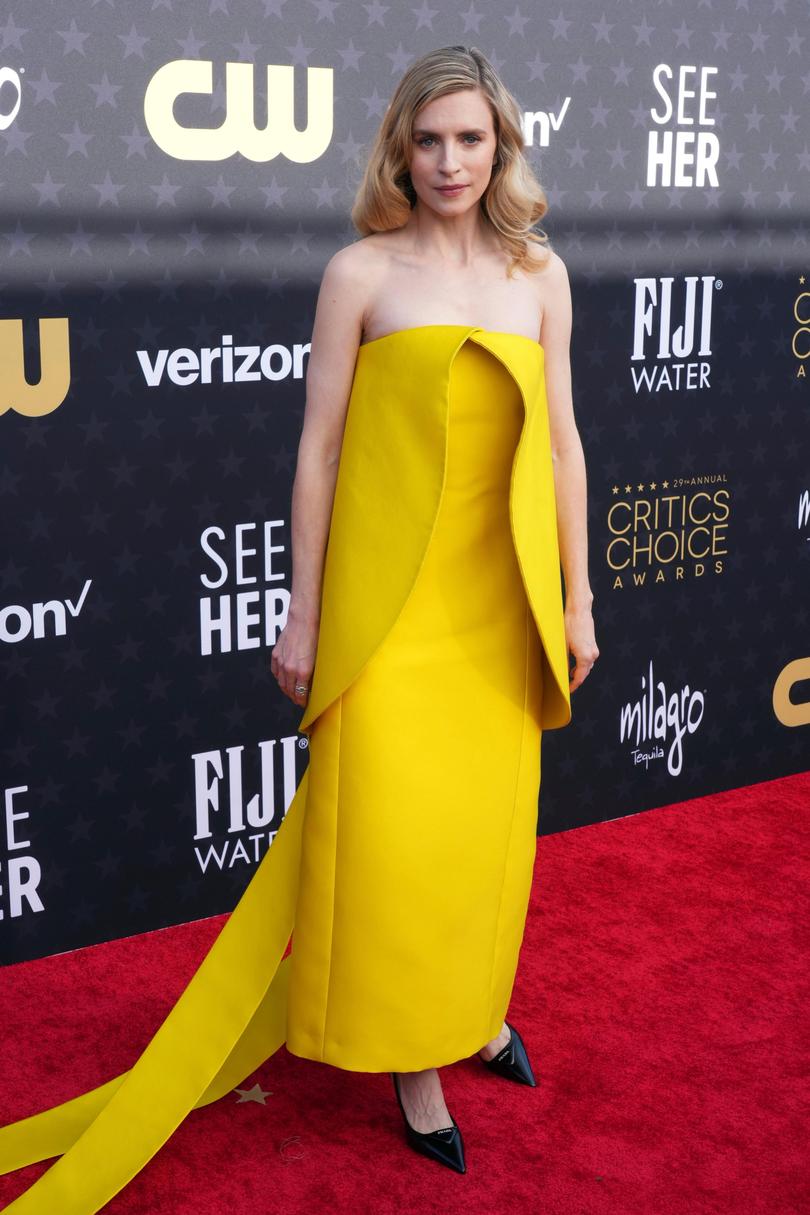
x,y
451,1150
445,1146
513,1062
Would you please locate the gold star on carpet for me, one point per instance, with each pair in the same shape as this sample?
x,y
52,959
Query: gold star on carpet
x,y
256,1094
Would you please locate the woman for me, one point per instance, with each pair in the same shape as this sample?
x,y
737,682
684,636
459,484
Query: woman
x,y
446,204
440,482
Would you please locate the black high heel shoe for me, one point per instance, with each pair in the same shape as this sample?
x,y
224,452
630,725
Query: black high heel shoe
x,y
512,1062
445,1145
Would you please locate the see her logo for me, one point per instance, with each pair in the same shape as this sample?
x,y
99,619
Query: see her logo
x,y
683,156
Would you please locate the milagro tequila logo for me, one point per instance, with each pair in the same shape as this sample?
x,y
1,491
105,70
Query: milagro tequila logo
x,y
660,719
804,510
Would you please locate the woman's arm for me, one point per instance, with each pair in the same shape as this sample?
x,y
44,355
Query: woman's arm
x,y
336,334
570,483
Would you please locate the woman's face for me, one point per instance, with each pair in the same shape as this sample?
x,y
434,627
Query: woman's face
x,y
453,144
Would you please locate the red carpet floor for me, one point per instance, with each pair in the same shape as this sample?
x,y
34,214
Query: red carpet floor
x,y
662,995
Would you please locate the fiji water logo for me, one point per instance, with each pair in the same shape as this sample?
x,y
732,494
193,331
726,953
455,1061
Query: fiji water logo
x,y
672,333
660,719
241,827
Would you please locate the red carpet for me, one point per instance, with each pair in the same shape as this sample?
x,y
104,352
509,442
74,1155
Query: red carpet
x,y
662,995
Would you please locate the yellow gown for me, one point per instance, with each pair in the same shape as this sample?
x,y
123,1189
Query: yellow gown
x,y
403,865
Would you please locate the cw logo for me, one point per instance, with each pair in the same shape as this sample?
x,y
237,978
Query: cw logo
x,y
238,131
34,400
786,710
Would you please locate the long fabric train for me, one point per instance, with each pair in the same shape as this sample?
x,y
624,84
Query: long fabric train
x,y
215,1036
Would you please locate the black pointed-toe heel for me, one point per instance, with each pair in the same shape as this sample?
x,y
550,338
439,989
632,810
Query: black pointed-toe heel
x,y
445,1145
512,1062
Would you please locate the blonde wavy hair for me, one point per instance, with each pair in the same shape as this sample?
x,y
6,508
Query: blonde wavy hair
x,y
513,201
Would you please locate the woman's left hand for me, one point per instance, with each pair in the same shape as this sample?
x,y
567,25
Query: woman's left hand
x,y
581,642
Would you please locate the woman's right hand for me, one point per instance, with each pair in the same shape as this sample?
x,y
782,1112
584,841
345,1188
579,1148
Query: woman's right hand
x,y
293,658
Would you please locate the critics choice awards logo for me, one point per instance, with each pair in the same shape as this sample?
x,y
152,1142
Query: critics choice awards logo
x,y
800,333
667,531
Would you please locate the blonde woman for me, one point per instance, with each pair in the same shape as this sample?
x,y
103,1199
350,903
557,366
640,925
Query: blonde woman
x,y
425,738
440,488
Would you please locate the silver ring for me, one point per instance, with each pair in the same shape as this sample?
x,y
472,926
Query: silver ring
x,y
300,687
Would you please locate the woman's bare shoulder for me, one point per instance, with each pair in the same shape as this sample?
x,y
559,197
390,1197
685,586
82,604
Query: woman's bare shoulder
x,y
347,263
550,280
556,268
344,277
350,281
547,265
356,274
556,284
363,256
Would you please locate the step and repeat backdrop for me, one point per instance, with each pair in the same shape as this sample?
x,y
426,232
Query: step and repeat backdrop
x,y
175,177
